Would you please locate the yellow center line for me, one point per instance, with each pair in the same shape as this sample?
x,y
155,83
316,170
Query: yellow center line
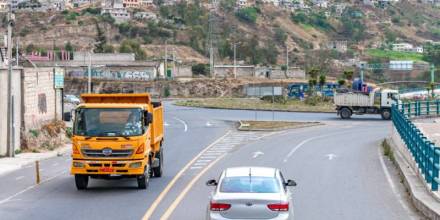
x,y
162,195
177,201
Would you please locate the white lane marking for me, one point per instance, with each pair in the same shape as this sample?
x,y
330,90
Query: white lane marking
x,y
55,164
166,124
30,187
391,183
202,161
257,154
308,140
19,178
183,122
331,156
194,168
208,124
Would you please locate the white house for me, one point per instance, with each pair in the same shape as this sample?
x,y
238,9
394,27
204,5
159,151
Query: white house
x,y
407,47
116,9
242,3
274,2
147,3
320,3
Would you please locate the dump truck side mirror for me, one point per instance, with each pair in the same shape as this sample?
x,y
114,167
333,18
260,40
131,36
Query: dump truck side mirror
x,y
148,118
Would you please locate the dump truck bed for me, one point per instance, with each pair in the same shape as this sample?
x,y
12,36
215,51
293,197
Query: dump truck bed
x,y
354,99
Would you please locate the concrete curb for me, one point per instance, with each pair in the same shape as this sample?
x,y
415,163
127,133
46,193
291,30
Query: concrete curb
x,y
422,199
311,124
8,164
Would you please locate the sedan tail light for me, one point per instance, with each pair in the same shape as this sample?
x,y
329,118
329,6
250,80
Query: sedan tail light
x,y
279,207
213,206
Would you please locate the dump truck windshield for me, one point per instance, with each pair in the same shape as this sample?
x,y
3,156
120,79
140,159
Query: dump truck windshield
x,y
108,122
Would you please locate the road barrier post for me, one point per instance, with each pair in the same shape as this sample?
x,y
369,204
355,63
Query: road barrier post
x,y
37,170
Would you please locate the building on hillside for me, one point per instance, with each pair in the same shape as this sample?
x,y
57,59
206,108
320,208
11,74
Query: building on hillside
x,y
338,45
146,16
320,3
242,3
131,3
116,9
407,47
339,9
432,2
273,2
147,3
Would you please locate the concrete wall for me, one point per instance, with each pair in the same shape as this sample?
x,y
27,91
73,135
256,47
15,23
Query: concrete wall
x,y
41,102
16,93
84,56
228,71
138,73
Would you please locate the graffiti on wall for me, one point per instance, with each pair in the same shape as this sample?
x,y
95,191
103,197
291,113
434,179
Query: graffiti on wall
x,y
143,75
42,103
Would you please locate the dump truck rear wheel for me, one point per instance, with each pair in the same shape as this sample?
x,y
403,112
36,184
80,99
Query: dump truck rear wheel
x,y
144,180
345,113
81,181
157,171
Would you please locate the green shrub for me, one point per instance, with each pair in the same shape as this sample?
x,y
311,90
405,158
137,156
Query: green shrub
x,y
200,69
275,99
247,14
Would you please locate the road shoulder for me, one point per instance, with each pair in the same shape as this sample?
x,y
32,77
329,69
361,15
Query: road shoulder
x,y
10,164
423,201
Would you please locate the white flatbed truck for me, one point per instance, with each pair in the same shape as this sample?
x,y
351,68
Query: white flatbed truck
x,y
378,101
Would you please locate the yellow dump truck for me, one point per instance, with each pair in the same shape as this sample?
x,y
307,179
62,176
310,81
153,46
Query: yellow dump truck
x,y
117,136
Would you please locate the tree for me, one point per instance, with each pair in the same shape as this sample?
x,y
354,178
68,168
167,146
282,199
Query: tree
x,y
200,69
348,74
431,53
108,48
100,39
341,82
322,80
68,47
132,46
280,35
248,15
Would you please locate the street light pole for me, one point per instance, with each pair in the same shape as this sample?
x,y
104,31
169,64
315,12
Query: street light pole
x,y
235,60
10,120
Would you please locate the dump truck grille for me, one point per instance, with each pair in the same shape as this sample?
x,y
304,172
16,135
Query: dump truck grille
x,y
106,152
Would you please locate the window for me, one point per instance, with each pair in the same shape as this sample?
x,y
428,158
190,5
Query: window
x,y
249,184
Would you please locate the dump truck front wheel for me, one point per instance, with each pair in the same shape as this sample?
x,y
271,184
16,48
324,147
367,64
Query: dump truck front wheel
x,y
144,179
81,181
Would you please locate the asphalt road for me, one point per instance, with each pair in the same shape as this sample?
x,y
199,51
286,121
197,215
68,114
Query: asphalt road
x,y
340,171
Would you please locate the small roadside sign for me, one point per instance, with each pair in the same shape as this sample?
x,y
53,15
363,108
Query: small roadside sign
x,y
58,78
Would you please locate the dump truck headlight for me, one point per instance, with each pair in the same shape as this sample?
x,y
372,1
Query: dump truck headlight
x,y
78,164
136,165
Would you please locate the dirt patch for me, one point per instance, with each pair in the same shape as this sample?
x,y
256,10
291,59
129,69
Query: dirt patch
x,y
273,125
257,104
48,137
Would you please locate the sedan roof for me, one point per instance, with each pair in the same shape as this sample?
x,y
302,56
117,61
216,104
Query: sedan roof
x,y
253,171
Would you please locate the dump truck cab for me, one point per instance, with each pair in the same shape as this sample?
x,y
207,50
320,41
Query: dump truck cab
x,y
117,136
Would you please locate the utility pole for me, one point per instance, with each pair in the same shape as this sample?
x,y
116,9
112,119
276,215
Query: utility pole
x,y
10,120
16,51
432,73
166,58
89,84
287,59
174,62
235,60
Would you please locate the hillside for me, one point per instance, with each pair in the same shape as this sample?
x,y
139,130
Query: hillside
x,y
261,32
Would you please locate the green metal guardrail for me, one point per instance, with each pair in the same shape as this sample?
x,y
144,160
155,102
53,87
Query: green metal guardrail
x,y
424,152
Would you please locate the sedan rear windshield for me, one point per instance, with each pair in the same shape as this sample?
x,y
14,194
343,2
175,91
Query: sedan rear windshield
x,y
246,184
